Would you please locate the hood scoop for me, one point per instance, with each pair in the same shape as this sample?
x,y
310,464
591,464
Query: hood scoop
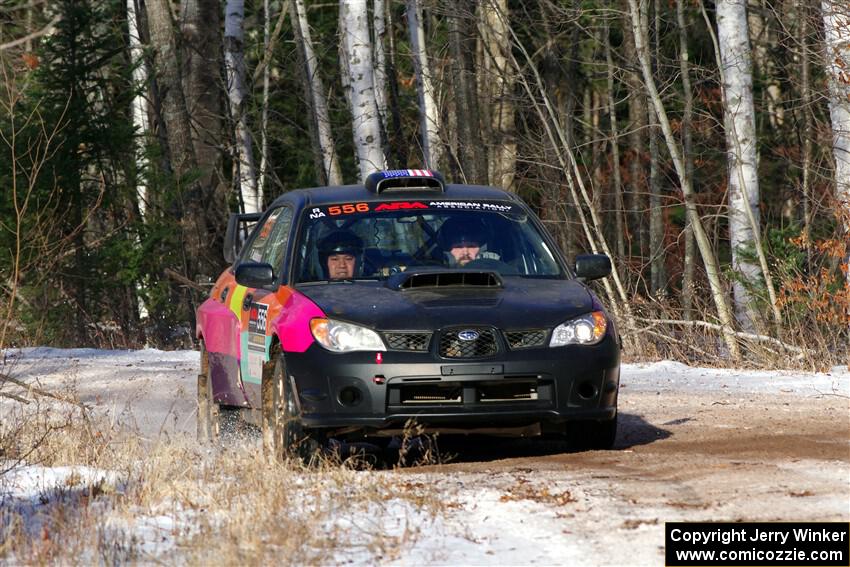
x,y
454,278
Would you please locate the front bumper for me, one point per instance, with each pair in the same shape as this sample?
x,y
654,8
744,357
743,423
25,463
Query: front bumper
x,y
514,389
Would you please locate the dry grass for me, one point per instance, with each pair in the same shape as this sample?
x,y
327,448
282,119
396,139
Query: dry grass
x,y
174,501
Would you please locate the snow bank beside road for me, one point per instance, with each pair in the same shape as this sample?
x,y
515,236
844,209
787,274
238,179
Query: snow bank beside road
x,y
669,374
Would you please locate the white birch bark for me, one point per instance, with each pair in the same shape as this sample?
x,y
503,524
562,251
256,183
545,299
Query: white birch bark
x,y
319,103
359,82
432,149
139,104
742,158
836,23
380,27
234,64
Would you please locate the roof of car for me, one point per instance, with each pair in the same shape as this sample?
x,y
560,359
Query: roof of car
x,y
347,193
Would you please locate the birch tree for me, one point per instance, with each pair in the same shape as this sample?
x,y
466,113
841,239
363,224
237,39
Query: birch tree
x,y
140,111
359,83
237,91
432,150
742,159
836,23
314,88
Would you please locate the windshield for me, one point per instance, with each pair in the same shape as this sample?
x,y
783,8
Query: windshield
x,y
376,240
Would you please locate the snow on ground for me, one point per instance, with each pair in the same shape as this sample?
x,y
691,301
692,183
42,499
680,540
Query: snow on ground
x,y
483,518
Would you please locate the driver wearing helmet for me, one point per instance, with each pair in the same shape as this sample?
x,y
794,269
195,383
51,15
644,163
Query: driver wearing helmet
x,y
340,253
463,240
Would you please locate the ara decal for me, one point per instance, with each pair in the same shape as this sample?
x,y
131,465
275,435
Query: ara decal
x,y
400,206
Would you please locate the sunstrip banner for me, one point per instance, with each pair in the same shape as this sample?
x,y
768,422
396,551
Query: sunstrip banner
x,y
407,173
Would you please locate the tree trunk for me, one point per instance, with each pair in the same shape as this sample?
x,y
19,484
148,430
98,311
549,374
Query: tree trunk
x,y
496,86
397,143
711,266
462,45
432,150
140,110
199,255
758,20
836,23
658,275
687,151
360,84
741,152
379,19
200,51
619,206
264,114
237,90
803,14
636,185
314,91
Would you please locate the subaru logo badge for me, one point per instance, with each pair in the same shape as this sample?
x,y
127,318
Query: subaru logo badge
x,y
468,335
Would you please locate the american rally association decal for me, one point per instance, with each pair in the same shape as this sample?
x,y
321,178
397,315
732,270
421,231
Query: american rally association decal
x,y
257,320
471,205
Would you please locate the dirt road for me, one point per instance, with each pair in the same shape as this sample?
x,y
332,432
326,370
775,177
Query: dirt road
x,y
680,456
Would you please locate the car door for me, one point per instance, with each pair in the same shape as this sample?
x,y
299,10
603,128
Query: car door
x,y
260,306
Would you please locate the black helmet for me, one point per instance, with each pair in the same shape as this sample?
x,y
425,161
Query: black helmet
x,y
340,242
466,230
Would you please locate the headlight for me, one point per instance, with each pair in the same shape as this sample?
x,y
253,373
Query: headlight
x,y
585,330
344,337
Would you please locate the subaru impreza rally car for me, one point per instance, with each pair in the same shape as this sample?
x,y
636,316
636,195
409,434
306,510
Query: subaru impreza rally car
x,y
353,310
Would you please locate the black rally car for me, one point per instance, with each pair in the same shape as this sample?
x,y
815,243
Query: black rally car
x,y
353,310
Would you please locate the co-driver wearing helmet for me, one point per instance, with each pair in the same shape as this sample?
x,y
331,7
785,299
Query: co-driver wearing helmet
x,y
340,252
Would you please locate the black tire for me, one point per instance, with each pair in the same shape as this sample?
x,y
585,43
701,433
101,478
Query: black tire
x,y
209,412
283,434
599,435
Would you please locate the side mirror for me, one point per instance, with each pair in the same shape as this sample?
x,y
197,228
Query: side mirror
x,y
592,266
237,233
254,274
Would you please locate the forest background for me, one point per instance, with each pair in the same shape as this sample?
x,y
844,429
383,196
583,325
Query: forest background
x,y
704,146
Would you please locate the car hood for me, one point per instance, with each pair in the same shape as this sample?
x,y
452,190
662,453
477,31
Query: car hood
x,y
521,303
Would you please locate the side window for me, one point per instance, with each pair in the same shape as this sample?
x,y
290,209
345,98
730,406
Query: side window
x,y
269,246
275,248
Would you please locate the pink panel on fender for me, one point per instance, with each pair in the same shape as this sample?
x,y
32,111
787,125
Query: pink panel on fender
x,y
216,322
293,325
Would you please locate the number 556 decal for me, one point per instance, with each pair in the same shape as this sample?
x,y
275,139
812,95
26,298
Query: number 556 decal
x,y
348,209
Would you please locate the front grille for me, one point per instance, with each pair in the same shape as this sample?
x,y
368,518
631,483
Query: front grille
x,y
452,346
408,341
525,339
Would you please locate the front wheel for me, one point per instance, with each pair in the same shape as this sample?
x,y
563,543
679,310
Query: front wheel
x,y
283,434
